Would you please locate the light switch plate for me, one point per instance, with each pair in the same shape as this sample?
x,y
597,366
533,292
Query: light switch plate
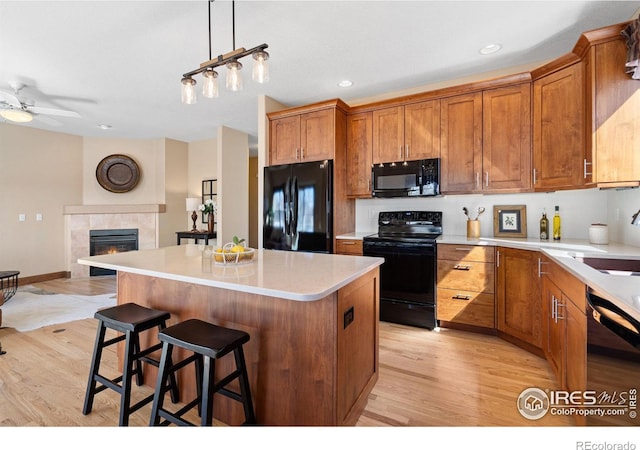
x,y
22,217
39,217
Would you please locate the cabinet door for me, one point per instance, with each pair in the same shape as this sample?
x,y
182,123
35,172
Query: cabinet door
x,y
506,135
359,154
388,135
518,295
461,143
554,328
317,135
285,140
617,123
558,130
422,130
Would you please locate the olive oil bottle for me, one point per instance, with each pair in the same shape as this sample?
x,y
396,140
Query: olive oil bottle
x,y
544,227
556,225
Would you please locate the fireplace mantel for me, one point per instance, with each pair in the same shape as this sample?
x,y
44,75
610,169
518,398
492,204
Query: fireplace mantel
x,y
113,209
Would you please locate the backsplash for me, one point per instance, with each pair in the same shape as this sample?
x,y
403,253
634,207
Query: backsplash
x,y
578,209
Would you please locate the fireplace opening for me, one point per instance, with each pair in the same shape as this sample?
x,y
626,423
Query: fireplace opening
x,y
104,242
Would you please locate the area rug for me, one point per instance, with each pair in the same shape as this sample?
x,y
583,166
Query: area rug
x,y
28,310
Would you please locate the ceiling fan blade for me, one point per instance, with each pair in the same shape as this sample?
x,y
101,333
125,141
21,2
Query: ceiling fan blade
x,y
11,99
54,112
48,121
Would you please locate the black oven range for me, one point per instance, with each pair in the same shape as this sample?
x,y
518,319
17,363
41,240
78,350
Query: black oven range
x,y
407,242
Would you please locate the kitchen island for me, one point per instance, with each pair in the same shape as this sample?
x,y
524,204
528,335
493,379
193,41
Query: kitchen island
x,y
313,321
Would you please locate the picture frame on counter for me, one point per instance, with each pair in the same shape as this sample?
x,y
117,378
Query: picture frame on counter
x,y
510,221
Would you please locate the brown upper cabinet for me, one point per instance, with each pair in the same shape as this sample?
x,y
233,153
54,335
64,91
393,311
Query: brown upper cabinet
x,y
304,134
558,130
461,143
486,141
614,104
406,132
359,154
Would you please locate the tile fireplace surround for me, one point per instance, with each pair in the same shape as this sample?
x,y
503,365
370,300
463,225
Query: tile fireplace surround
x,y
79,219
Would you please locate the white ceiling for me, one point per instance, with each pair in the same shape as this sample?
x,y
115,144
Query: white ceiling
x,y
120,62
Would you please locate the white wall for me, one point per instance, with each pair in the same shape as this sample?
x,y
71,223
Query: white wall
x,y
233,185
175,191
578,209
203,165
622,205
148,154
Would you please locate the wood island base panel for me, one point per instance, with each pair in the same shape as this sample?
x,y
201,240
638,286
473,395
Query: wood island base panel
x,y
309,362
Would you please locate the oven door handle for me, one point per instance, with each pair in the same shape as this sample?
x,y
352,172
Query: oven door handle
x,y
614,318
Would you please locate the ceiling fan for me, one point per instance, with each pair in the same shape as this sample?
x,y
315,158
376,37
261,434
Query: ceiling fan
x,y
15,109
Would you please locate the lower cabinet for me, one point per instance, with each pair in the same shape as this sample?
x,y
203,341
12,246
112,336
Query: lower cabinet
x,y
565,330
349,247
518,300
465,285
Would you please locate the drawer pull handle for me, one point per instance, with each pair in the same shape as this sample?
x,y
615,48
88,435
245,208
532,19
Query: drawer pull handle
x,y
463,249
461,267
348,243
461,297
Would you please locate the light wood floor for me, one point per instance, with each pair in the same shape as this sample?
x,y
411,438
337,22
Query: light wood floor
x,y
427,378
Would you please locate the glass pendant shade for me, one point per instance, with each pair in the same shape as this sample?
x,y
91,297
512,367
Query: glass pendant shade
x,y
188,91
260,72
234,77
210,85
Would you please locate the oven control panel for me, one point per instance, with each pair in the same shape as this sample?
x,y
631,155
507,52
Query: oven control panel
x,y
410,218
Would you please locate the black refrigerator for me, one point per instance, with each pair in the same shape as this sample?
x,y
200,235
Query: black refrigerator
x,y
298,207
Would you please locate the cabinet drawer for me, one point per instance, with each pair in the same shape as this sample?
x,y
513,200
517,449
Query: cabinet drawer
x,y
471,308
467,275
349,246
454,252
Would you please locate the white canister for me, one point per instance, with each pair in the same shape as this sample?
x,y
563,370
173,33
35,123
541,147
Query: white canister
x,y
599,233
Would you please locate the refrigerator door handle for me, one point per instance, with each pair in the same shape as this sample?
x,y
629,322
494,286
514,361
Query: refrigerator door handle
x,y
287,202
294,205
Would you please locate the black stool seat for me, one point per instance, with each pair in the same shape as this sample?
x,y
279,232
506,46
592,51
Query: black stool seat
x,y
208,342
130,319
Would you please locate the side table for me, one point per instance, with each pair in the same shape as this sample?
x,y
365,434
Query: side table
x,y
196,235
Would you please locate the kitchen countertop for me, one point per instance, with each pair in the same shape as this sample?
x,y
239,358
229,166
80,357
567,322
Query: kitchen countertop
x,y
623,291
289,275
356,235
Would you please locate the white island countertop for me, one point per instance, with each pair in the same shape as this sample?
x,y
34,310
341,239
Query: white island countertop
x,y
290,275
622,290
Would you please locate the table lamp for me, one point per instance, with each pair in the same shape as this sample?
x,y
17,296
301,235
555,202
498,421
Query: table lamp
x,y
193,204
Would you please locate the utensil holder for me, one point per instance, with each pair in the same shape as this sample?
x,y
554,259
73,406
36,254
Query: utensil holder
x,y
473,229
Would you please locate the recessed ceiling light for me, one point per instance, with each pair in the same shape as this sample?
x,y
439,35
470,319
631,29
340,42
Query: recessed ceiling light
x,y
345,83
491,48
104,126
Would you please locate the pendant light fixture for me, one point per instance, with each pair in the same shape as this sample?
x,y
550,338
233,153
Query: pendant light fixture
x,y
260,72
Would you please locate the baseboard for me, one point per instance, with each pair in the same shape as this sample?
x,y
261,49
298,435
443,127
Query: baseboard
x,y
465,327
43,277
522,344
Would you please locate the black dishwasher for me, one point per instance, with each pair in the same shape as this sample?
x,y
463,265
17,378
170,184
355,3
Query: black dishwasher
x,y
613,362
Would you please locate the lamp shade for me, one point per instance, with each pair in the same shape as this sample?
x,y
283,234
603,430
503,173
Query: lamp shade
x,y
193,204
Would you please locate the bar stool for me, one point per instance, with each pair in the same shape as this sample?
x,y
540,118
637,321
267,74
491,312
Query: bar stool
x,y
130,319
208,342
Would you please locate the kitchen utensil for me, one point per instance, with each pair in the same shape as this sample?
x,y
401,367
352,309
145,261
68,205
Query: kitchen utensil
x,y
466,212
480,211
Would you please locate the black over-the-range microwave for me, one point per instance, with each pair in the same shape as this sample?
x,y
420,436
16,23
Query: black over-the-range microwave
x,y
406,179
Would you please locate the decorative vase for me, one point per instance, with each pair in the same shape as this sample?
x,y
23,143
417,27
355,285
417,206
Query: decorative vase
x,y
210,222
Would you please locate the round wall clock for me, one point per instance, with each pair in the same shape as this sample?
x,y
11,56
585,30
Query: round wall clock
x,y
118,173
